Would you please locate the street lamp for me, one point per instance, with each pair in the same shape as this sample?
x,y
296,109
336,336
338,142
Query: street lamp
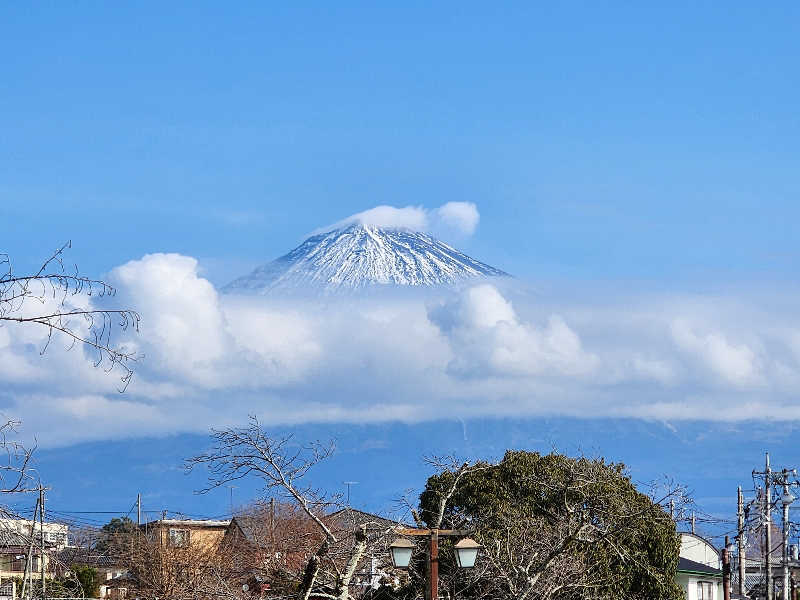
x,y
466,551
401,552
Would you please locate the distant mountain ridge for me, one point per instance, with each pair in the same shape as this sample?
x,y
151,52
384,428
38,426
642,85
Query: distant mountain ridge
x,y
360,256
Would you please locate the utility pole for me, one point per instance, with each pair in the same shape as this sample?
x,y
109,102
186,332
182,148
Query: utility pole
x,y
786,499
741,540
726,571
693,522
138,509
27,578
785,553
767,516
41,532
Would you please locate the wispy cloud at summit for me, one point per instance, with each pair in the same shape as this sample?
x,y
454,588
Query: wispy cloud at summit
x,y
455,217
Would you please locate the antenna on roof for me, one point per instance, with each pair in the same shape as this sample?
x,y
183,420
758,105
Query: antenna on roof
x,y
348,484
232,487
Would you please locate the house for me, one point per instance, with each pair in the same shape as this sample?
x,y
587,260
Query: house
x,y
180,533
106,566
264,540
755,572
17,544
55,534
174,556
699,568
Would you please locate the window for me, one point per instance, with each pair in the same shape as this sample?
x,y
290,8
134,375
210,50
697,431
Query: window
x,y
55,537
705,590
178,537
18,563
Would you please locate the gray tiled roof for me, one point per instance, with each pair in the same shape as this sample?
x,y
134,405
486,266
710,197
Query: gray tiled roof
x,y
684,564
82,556
252,528
350,518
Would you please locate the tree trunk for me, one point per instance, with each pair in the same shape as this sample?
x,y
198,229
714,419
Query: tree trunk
x,y
312,569
343,585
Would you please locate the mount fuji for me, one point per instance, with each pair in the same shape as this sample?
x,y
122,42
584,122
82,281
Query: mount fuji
x,y
359,256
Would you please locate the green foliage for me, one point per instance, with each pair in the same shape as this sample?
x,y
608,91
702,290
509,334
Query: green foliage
x,y
89,580
113,529
117,525
57,587
581,525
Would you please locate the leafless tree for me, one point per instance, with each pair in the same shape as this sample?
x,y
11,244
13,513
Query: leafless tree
x,y
16,473
44,299
193,571
85,537
333,555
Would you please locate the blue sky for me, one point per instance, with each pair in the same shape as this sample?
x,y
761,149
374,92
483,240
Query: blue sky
x,y
623,157
623,141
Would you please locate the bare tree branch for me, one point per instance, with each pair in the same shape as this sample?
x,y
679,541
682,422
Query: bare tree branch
x,y
54,287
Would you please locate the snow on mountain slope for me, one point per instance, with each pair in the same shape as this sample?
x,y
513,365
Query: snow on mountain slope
x,y
359,256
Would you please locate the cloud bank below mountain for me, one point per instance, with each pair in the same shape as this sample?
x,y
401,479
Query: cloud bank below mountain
x,y
211,359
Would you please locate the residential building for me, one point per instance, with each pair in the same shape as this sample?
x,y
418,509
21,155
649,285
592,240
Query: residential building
x,y
755,575
55,534
699,568
173,557
106,566
265,541
21,539
179,533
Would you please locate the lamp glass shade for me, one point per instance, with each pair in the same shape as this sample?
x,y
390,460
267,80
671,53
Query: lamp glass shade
x,y
466,553
787,498
401,552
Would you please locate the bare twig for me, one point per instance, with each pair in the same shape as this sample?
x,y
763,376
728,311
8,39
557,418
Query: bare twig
x,y
53,287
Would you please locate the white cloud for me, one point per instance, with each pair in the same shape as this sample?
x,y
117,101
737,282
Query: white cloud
x,y
462,217
488,338
408,217
453,217
735,363
212,359
185,327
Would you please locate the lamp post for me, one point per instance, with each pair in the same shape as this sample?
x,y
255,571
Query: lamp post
x,y
466,551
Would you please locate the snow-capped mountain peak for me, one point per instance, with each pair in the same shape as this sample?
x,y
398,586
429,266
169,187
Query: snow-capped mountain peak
x,y
359,256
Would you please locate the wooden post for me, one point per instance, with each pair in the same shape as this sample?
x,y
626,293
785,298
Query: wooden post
x,y
433,559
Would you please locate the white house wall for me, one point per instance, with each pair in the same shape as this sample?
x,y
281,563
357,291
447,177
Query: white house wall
x,y
689,585
697,549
